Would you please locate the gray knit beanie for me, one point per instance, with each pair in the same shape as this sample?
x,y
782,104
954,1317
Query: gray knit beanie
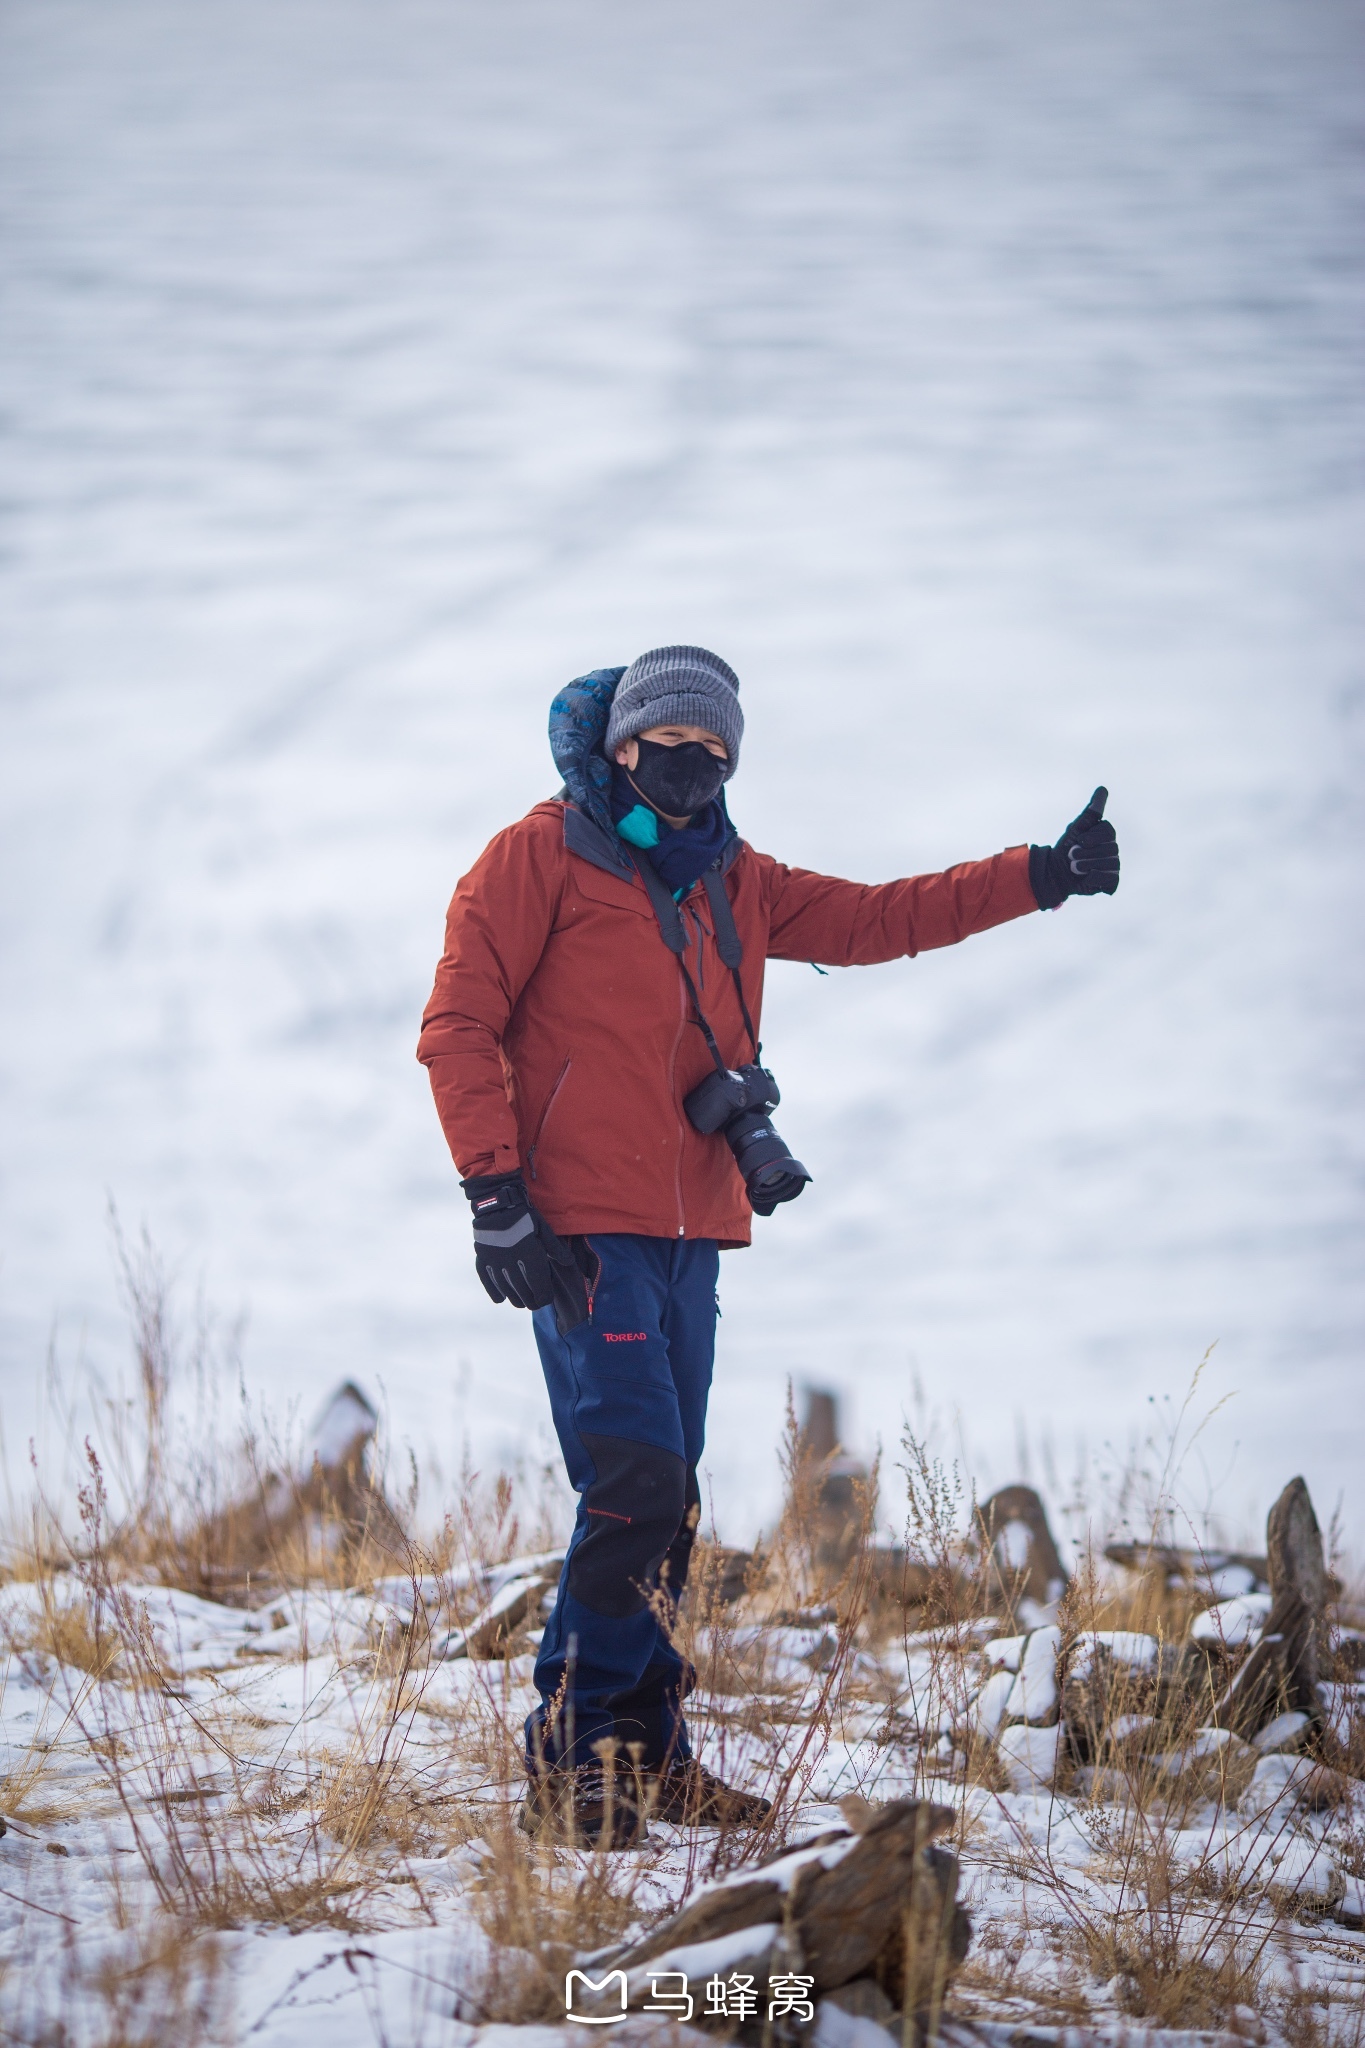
x,y
678,686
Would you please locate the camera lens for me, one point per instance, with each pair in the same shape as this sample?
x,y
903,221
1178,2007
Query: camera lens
x,y
754,1142
771,1174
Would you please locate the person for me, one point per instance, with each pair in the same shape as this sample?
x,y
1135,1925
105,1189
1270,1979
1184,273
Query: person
x,y
592,1043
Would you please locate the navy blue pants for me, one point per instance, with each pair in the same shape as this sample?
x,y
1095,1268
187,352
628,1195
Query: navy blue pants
x,y
628,1393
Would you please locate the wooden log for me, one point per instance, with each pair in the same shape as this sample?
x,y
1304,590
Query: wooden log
x,y
1191,1567
875,1902
495,1628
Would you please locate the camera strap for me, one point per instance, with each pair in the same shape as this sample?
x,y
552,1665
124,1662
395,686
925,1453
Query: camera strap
x,y
728,943
674,935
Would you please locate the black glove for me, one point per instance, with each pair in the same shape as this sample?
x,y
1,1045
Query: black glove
x,y
517,1255
1084,862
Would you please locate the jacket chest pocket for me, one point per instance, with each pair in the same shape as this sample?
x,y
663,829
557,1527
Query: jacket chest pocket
x,y
600,891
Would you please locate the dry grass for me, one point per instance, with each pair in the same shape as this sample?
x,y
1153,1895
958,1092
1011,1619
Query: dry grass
x,y
229,1830
1178,1938
542,1909
836,1651
146,1986
223,1844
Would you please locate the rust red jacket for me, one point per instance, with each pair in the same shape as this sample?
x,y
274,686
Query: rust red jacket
x,y
559,1035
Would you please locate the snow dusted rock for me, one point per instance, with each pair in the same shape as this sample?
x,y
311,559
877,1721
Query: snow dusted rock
x,y
1123,1647
1286,1731
759,1951
311,1624
1030,1756
1034,1696
1227,1581
1232,1622
1005,1651
1288,1867
541,1564
192,1634
1214,1762
837,2027
1112,1680
1017,1547
987,1712
1285,1784
1106,1784
515,1594
329,1505
1343,1708
1291,1654
1351,1905
1288,1784
1276,1780
493,1627
839,1906
864,1999
1305,1874
1129,1734
404,1599
343,1432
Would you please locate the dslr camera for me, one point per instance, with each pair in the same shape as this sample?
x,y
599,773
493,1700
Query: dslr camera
x,y
736,1103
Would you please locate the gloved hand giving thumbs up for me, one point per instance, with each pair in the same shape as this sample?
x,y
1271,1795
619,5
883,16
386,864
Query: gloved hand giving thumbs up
x,y
1084,862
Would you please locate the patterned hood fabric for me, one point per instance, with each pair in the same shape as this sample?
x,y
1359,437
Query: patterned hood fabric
x,y
578,726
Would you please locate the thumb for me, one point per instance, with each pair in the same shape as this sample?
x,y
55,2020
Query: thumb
x,y
1093,812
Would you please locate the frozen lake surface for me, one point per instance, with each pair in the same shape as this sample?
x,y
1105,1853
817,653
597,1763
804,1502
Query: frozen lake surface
x,y
983,383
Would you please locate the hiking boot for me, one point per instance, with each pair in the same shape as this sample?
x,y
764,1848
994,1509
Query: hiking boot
x,y
689,1795
585,1806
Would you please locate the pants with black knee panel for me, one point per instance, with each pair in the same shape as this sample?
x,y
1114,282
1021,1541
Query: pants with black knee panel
x,y
628,1393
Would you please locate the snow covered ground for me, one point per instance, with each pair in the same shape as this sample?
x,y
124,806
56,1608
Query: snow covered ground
x,y
219,1768
983,383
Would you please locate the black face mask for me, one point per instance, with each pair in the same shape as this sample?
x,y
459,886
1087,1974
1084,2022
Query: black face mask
x,y
677,780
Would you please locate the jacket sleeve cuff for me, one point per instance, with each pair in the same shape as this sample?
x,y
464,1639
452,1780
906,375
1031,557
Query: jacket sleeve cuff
x,y
1047,891
495,1165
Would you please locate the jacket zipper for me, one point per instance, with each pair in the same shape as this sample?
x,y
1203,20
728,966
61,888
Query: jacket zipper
x,y
540,1124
